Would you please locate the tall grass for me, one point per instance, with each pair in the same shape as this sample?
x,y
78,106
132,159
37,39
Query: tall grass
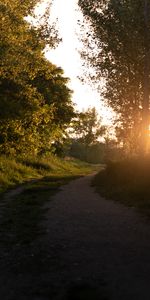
x,y
21,216
15,171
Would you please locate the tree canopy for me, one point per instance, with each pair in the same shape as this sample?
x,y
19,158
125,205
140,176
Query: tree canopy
x,y
86,130
121,31
87,126
35,101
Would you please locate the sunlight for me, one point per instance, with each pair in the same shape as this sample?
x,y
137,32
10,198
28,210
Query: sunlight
x,y
67,56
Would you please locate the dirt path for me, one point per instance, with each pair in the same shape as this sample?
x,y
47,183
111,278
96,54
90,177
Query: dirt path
x,y
99,243
92,249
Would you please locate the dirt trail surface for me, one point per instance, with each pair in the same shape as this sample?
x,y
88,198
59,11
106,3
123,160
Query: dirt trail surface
x,y
92,249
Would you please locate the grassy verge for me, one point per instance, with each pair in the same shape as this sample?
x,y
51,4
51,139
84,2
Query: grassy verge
x,y
20,217
14,171
127,182
27,259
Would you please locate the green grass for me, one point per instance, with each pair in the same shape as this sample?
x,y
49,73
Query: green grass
x,y
21,215
14,171
128,182
22,246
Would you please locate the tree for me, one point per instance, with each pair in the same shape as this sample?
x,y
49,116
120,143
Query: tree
x,y
87,126
121,31
94,154
35,103
87,129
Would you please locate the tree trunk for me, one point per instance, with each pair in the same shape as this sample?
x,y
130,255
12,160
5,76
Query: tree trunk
x,y
146,82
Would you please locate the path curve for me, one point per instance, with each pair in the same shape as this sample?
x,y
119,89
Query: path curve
x,y
95,242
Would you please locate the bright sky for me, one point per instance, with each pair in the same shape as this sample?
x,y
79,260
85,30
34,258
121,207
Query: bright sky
x,y
66,55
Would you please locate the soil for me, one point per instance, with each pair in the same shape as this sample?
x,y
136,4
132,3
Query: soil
x,y
91,248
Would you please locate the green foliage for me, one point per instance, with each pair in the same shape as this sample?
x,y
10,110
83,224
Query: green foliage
x,y
35,102
99,152
14,171
94,154
87,126
120,29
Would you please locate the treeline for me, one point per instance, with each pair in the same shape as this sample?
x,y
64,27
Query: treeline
x,y
91,140
120,33
35,102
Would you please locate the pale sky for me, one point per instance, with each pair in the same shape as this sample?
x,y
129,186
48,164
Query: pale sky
x,y
66,55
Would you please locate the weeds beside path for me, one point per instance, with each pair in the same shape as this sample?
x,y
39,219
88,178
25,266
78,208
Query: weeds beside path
x,y
17,170
21,208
